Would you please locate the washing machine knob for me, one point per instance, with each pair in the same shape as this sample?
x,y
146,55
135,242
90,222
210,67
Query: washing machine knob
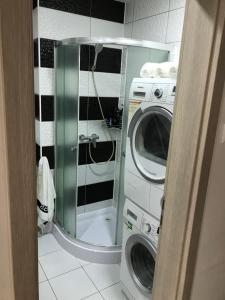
x,y
158,93
147,228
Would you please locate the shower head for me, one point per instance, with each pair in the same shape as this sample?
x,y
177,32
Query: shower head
x,y
98,49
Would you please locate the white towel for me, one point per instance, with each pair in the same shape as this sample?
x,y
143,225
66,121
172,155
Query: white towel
x,y
168,70
164,70
150,70
45,192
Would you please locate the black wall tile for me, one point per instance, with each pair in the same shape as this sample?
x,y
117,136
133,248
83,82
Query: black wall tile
x,y
47,108
97,192
36,60
109,10
83,154
81,7
38,153
47,53
89,107
49,152
101,153
34,4
37,111
109,59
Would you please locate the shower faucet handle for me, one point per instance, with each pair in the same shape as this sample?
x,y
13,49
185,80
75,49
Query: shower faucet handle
x,y
93,138
84,138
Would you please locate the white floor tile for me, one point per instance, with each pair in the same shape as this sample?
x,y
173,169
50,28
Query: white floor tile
x,y
94,297
58,263
113,293
74,285
41,274
83,262
47,244
45,292
103,275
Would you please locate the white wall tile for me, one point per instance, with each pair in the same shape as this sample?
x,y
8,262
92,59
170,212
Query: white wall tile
x,y
104,28
82,128
99,127
175,25
108,84
174,4
147,8
36,80
47,133
35,23
46,81
54,24
97,206
175,52
100,172
37,132
81,175
129,11
128,30
153,28
94,173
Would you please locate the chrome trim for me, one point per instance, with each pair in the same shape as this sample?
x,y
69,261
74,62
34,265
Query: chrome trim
x,y
132,241
114,41
136,119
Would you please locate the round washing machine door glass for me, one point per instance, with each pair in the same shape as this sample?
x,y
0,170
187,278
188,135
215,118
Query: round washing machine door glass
x,y
140,258
149,133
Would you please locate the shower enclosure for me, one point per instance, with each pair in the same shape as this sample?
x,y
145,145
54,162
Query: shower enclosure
x,y
93,78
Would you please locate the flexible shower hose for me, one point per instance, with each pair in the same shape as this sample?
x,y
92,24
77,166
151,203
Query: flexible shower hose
x,y
103,117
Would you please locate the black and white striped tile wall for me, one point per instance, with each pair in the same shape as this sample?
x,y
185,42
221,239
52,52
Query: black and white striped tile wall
x,y
55,20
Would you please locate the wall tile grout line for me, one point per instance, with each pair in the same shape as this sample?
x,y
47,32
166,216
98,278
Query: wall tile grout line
x,y
155,15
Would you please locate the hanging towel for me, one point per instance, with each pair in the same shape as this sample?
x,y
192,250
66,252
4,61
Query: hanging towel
x,y
168,70
45,192
150,70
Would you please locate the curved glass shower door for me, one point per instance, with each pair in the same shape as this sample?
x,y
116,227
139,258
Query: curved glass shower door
x,y
90,192
66,111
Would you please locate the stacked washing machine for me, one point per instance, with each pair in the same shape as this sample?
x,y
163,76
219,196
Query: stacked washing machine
x,y
151,103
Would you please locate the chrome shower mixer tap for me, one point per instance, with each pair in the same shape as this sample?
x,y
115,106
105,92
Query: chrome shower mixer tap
x,y
90,139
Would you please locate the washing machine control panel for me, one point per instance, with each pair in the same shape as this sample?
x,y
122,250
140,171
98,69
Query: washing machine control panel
x,y
163,93
149,227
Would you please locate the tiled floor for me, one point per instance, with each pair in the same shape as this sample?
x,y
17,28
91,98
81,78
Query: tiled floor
x,y
64,277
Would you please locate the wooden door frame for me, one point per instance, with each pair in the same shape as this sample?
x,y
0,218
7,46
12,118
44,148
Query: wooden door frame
x,y
199,93
201,78
18,221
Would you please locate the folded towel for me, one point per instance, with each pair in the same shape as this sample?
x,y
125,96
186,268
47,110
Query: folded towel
x,y
150,70
164,70
45,192
168,70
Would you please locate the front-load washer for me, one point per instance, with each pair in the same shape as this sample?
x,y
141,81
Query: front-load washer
x,y
151,104
140,240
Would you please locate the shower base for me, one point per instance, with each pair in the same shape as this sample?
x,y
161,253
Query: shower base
x,y
97,227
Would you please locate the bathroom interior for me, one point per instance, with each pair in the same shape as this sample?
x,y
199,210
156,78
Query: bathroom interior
x,y
104,72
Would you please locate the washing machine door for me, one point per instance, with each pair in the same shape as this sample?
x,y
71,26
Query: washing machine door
x,y
140,258
149,133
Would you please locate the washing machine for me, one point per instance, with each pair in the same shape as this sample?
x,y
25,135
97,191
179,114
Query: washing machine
x,y
151,103
140,240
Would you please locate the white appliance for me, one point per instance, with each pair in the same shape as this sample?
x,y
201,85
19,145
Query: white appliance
x,y
151,103
140,240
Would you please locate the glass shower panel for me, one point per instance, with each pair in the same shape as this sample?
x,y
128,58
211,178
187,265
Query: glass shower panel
x,y
59,134
67,82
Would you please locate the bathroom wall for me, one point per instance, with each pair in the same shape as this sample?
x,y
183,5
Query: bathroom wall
x,y
57,20
156,20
